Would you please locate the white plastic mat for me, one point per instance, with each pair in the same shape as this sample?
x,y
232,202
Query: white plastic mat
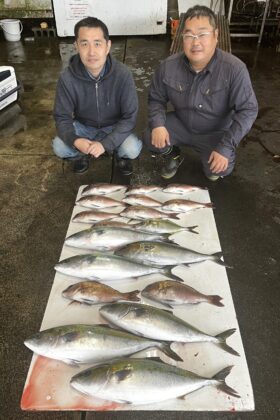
x,y
47,384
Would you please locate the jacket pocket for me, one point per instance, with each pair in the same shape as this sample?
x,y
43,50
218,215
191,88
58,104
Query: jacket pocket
x,y
215,98
177,92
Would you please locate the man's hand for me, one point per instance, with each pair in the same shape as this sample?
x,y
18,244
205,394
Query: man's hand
x,y
88,147
160,137
96,149
218,163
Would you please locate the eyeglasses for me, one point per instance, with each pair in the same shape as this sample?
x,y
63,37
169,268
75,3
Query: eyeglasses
x,y
200,37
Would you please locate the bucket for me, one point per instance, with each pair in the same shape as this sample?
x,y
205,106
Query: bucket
x,y
12,29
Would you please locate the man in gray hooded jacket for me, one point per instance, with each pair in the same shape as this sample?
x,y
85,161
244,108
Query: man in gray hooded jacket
x,y
214,105
96,103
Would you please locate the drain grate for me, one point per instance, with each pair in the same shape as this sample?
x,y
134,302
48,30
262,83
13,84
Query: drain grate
x,y
44,32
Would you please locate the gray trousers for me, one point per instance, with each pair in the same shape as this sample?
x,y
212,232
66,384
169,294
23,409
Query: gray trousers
x,y
203,144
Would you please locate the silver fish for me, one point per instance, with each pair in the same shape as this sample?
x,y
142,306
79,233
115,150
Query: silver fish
x,y
171,293
108,238
183,206
159,324
97,266
98,202
142,200
117,224
93,216
141,213
163,226
80,343
162,254
93,292
142,189
181,188
102,189
144,381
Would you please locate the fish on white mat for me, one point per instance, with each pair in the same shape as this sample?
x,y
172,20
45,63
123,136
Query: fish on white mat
x,y
103,189
142,189
142,213
163,226
92,293
182,188
98,202
162,254
160,324
80,343
93,216
106,238
145,381
141,200
172,293
183,206
105,267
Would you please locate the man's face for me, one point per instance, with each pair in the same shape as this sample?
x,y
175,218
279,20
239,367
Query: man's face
x,y
92,48
199,51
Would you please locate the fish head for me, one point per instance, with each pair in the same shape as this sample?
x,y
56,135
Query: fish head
x,y
79,239
150,290
42,342
115,311
123,313
71,291
70,265
92,380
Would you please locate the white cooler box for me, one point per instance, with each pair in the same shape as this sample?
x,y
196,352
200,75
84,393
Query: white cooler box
x,y
8,86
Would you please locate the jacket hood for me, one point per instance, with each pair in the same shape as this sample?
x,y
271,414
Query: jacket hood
x,y
78,69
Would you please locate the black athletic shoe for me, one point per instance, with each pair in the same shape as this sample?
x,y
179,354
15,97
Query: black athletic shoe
x,y
173,161
80,164
125,166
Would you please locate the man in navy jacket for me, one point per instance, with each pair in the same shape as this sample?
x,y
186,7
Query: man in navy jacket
x,y
96,102
214,105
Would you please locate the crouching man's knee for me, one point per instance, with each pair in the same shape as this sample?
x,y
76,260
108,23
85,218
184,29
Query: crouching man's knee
x,y
62,150
130,148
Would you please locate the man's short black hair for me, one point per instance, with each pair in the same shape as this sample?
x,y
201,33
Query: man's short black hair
x,y
91,22
201,11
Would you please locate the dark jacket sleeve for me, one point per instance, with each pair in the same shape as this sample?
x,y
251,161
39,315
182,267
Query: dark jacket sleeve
x,y
245,110
127,122
64,111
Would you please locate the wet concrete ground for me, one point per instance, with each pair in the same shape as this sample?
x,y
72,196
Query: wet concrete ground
x,y
38,193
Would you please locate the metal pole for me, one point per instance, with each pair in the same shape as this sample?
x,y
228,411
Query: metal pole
x,y
230,10
263,21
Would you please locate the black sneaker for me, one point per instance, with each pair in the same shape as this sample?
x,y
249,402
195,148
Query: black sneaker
x,y
125,166
173,161
80,164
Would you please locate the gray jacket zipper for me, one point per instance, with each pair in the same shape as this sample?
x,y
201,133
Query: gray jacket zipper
x,y
97,103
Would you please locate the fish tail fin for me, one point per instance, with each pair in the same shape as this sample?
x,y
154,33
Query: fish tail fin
x,y
132,296
220,377
166,237
166,349
192,229
175,216
222,341
215,300
218,259
167,271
